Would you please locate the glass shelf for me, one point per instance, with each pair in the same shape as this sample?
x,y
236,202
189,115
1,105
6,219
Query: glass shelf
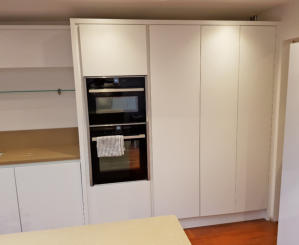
x,y
59,91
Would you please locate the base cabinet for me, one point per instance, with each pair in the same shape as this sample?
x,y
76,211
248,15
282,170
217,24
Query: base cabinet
x,y
9,212
119,201
50,195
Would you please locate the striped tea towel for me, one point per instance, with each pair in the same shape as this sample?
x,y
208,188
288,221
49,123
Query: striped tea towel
x,y
110,146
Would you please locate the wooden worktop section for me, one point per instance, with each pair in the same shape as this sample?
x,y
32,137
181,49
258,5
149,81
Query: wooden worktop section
x,y
39,146
159,231
47,154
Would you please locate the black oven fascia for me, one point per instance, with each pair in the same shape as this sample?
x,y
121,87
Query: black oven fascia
x,y
100,88
132,131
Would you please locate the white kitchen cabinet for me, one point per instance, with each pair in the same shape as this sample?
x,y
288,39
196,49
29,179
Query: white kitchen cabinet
x,y
50,195
257,48
175,96
109,50
119,201
35,46
9,212
219,105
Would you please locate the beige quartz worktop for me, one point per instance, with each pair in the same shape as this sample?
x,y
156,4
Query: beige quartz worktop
x,y
41,145
159,231
40,154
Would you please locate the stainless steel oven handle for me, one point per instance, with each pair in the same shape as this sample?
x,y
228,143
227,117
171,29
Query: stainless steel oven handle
x,y
115,90
130,137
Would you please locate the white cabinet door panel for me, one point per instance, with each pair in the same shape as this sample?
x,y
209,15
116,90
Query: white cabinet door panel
x,y
257,48
219,103
108,50
175,96
50,195
119,201
35,47
9,212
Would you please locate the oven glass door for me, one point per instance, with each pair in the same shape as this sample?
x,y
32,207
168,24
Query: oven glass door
x,y
131,166
116,107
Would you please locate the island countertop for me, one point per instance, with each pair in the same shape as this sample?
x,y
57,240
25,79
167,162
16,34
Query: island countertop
x,y
164,230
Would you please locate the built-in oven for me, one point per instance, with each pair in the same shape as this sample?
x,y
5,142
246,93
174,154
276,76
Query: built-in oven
x,y
128,167
116,100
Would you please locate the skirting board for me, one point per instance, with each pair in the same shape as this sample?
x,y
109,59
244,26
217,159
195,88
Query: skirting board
x,y
223,219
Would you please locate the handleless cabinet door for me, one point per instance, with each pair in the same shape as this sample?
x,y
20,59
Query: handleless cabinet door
x,y
50,195
175,91
219,98
9,213
119,201
257,47
108,50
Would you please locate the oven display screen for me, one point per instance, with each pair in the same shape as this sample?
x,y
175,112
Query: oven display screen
x,y
121,104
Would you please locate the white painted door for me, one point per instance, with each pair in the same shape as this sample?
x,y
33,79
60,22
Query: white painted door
x,y
257,47
289,195
9,212
35,46
175,96
108,50
50,195
119,201
219,103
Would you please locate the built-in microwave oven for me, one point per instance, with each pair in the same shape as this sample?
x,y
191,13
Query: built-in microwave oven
x,y
128,167
116,100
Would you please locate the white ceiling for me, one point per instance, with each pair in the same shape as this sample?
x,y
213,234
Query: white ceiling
x,y
61,10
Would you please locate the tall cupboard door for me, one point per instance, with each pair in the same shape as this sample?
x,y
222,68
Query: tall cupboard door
x,y
50,195
219,105
175,97
9,212
257,47
108,50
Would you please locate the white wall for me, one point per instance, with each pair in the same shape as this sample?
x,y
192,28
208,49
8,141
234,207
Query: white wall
x,y
36,57
288,30
289,203
22,111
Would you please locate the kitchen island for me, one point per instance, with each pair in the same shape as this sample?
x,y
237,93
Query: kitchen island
x,y
159,230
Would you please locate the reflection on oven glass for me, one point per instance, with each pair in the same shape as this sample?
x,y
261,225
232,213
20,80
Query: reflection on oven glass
x,y
116,104
130,160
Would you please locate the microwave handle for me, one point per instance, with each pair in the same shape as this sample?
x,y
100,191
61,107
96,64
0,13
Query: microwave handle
x,y
130,137
115,90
